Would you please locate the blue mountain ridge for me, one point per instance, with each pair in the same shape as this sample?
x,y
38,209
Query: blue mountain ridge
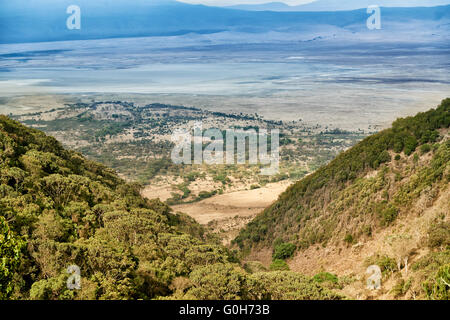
x,y
333,5
45,20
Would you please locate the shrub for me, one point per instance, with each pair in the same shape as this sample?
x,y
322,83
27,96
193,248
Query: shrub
x,y
439,287
218,282
279,265
205,194
284,251
326,277
432,261
386,263
425,148
286,285
398,146
277,242
348,238
384,157
52,289
389,214
435,147
367,230
11,248
400,288
439,235
410,145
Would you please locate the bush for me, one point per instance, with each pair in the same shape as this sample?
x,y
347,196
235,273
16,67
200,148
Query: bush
x,y
348,238
205,194
279,265
401,287
11,248
326,277
439,287
435,147
283,251
286,285
429,270
439,235
384,157
52,289
431,262
386,263
410,145
218,282
425,148
389,214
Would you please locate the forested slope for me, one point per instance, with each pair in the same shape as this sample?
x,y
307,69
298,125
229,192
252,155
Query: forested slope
x,y
58,209
324,195
397,175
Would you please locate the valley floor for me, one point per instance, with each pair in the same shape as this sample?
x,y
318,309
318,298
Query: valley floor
x,y
225,213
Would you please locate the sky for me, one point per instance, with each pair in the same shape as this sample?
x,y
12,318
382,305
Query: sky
x,y
233,2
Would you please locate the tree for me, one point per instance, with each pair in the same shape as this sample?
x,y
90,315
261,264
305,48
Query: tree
x,y
402,247
10,252
218,282
284,251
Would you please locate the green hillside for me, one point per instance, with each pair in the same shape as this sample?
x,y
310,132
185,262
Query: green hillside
x,y
58,209
293,217
398,173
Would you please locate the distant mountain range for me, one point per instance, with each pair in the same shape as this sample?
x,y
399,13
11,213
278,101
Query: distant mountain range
x,y
270,6
333,5
45,20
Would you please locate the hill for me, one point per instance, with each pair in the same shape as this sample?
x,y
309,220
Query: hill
x,y
387,196
269,6
59,211
39,21
332,5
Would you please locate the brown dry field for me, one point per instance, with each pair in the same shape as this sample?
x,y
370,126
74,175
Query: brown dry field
x,y
225,214
243,203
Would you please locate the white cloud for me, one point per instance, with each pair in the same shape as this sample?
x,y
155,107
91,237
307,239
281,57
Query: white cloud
x,y
234,2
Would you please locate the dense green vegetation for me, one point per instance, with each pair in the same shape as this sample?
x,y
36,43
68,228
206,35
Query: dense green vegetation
x,y
10,249
58,209
434,274
283,251
278,265
221,281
